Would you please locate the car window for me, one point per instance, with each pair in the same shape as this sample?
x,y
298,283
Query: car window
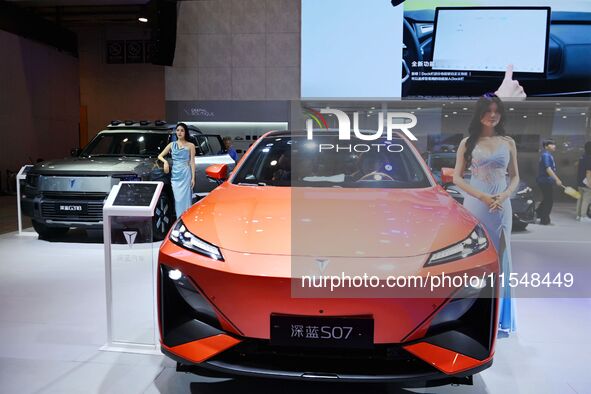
x,y
126,144
296,161
202,147
214,144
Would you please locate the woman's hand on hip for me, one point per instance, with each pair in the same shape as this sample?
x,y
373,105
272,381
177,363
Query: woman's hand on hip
x,y
192,183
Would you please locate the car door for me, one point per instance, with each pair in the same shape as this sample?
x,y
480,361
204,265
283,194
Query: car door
x,y
209,150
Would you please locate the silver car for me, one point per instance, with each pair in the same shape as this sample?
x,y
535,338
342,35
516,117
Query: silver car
x,y
59,194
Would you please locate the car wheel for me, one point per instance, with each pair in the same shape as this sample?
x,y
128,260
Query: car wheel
x,y
519,226
47,232
163,217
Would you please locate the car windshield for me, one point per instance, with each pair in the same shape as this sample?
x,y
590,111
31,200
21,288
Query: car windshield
x,y
328,162
126,144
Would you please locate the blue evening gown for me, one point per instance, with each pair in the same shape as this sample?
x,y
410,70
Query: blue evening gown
x,y
489,171
181,179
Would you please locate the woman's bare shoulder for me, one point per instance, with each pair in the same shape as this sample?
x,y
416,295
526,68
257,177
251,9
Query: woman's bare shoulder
x,y
508,140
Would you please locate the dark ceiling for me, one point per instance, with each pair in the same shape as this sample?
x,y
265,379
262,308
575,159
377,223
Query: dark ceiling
x,y
69,13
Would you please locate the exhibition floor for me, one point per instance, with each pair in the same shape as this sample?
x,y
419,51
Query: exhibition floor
x,y
52,323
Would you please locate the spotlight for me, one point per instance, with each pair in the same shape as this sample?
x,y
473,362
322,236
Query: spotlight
x,y
143,19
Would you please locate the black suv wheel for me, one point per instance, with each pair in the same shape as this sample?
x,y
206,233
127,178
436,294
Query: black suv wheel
x,y
163,216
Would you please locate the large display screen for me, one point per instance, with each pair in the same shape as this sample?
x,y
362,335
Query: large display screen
x,y
463,41
351,49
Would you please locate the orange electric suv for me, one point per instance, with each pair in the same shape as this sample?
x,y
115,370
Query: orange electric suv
x,y
327,258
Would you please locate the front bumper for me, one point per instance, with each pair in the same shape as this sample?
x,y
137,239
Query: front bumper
x,y
195,337
45,208
345,369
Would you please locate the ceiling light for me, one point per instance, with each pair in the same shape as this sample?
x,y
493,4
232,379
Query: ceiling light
x,y
143,19
511,109
539,113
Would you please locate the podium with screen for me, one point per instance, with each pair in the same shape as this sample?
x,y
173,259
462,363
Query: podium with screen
x,y
130,267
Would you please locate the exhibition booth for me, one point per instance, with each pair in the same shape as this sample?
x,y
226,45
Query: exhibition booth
x,y
405,204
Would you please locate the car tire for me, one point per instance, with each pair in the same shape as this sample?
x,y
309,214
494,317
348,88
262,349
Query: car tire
x,y
47,232
519,226
163,217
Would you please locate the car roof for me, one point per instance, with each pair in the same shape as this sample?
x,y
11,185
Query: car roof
x,y
145,127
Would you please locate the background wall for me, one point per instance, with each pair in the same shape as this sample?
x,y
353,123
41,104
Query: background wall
x,y
236,50
39,103
117,91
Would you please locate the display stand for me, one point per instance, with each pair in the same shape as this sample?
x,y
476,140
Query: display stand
x,y
21,176
130,268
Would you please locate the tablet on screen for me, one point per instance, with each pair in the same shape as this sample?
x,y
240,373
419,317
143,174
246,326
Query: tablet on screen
x,y
487,39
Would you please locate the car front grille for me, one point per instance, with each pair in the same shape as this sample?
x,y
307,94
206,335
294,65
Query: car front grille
x,y
91,201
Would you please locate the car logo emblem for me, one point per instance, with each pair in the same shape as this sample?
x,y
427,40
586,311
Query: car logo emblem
x,y
72,181
130,237
322,264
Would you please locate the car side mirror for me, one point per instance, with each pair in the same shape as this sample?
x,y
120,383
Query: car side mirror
x,y
447,175
75,152
217,172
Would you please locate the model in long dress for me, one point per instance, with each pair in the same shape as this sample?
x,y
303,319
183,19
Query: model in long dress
x,y
183,168
492,159
489,171
181,178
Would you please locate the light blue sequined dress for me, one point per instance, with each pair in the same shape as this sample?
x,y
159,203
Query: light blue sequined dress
x,y
181,178
489,175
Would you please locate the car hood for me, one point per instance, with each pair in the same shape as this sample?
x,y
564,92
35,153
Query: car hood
x,y
94,165
329,221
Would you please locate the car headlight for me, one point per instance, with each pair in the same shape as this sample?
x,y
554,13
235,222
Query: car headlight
x,y
181,236
32,180
476,242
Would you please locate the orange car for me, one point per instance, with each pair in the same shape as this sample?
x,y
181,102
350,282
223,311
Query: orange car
x,y
240,272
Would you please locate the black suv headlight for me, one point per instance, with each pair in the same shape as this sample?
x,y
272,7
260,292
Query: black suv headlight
x,y
32,180
475,243
181,236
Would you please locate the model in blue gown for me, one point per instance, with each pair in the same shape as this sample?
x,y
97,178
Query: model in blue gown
x,y
489,171
181,178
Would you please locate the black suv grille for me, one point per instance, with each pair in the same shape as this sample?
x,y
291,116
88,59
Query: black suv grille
x,y
73,206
